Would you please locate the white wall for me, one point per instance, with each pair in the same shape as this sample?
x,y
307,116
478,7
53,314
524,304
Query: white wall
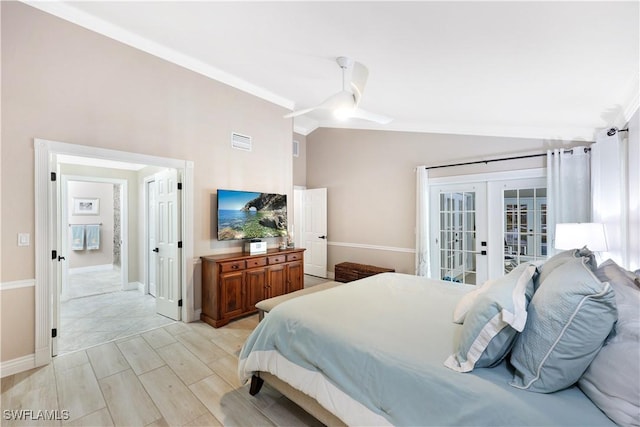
x,y
634,191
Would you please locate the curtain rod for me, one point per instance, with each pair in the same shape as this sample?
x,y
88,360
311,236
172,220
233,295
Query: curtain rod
x,y
477,162
613,131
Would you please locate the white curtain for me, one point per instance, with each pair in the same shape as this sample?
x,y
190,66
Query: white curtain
x,y
608,179
423,264
568,188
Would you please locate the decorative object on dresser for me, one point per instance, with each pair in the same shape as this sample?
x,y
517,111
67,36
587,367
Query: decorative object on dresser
x,y
350,271
232,284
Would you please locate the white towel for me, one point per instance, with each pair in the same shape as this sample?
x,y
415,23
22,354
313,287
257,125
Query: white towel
x,y
93,237
77,237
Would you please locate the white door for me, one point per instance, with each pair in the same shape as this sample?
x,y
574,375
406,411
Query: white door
x,y
152,244
315,232
459,245
167,251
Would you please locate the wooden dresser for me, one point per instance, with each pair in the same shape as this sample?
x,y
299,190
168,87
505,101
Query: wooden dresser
x,y
232,284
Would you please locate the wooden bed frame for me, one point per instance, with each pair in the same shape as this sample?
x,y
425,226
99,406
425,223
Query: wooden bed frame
x,y
305,401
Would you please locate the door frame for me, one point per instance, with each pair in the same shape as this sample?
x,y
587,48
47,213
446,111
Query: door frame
x,y
124,221
46,239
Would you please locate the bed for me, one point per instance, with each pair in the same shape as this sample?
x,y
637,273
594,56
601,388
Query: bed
x,y
372,352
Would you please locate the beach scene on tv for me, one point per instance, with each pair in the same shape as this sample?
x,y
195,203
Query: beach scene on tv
x,y
248,215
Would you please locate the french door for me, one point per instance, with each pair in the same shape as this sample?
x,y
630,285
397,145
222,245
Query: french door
x,y
524,222
483,229
459,232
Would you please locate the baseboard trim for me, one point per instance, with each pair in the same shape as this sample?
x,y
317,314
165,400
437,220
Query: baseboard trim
x,y
17,284
17,365
133,286
91,269
374,247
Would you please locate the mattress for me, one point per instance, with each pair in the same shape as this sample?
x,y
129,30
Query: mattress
x,y
372,352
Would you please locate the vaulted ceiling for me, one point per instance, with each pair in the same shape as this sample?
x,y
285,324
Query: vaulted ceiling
x,y
523,69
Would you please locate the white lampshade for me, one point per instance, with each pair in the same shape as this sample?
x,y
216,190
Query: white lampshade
x,y
576,235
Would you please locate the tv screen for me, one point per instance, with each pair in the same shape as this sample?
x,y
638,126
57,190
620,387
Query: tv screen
x,y
250,215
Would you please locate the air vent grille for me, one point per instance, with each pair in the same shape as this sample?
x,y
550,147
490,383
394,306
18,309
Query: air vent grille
x,y
240,142
296,149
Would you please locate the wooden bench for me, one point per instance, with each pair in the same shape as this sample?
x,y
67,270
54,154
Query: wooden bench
x,y
350,271
267,305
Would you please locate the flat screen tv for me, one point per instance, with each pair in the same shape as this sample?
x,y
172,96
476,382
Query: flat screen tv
x,y
251,215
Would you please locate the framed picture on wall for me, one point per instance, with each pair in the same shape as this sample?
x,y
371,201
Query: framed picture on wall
x,y
86,206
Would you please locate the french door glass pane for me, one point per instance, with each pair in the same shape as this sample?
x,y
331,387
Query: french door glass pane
x,y
525,226
458,236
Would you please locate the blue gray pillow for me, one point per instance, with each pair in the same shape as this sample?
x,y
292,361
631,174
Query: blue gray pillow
x,y
570,316
611,381
562,257
498,313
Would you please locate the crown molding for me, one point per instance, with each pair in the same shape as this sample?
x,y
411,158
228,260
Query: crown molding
x,y
575,133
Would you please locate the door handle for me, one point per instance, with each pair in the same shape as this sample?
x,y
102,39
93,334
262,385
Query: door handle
x,y
156,250
322,237
482,252
60,258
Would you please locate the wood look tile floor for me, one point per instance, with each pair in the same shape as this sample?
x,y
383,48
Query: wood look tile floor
x,y
183,374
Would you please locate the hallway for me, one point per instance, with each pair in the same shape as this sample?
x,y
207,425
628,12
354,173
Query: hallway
x,y
94,311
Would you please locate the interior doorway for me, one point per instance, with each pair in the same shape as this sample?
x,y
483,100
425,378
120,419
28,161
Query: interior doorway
x,y
96,241
310,228
97,301
48,225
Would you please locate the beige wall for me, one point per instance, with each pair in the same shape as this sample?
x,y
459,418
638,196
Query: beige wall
x,y
17,328
132,205
300,162
104,193
64,83
370,179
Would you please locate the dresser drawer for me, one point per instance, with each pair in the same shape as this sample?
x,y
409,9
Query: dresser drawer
x,y
277,259
232,266
294,257
256,262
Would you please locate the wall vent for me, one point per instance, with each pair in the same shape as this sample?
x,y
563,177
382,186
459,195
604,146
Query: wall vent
x,y
240,142
296,148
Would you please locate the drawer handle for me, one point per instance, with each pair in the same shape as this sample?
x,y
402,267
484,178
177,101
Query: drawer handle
x,y
235,266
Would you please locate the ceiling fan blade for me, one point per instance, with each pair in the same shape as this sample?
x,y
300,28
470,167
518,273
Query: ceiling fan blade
x,y
359,113
299,112
359,77
342,99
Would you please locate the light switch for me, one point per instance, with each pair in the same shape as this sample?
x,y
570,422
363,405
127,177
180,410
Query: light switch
x,y
23,239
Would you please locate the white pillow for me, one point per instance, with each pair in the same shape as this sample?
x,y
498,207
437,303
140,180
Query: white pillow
x,y
467,301
492,322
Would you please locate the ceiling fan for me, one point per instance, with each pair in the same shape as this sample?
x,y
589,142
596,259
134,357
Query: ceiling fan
x,y
344,104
